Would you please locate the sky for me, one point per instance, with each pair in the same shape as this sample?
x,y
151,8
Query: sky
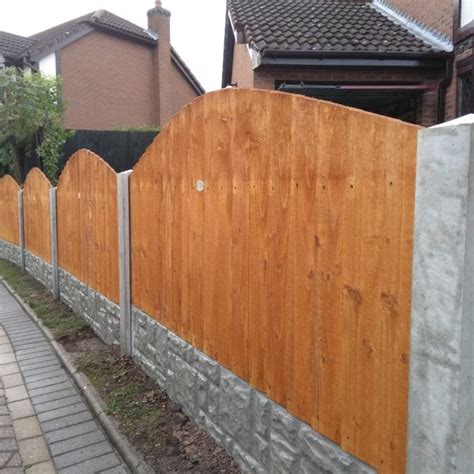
x,y
197,26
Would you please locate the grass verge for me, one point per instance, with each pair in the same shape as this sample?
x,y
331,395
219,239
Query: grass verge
x,y
55,315
130,396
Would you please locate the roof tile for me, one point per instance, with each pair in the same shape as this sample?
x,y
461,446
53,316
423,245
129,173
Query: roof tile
x,y
12,45
323,25
100,18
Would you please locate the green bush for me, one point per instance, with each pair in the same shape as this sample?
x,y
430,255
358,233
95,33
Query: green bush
x,y
31,119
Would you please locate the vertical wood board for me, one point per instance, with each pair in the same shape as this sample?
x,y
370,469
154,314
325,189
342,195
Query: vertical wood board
x,y
37,214
9,224
274,232
87,223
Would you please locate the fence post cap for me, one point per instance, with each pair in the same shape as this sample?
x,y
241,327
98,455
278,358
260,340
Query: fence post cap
x,y
464,120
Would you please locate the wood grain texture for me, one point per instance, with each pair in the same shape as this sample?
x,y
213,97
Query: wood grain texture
x,y
87,223
9,231
293,267
36,214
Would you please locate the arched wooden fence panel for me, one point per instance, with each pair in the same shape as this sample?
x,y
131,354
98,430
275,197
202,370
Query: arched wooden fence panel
x,y
274,232
9,225
37,214
87,223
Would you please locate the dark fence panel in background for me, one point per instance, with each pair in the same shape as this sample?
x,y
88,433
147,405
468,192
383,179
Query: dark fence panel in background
x,y
120,149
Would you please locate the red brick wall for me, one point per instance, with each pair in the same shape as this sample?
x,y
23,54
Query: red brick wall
x,y
435,14
428,115
265,78
451,99
108,83
242,71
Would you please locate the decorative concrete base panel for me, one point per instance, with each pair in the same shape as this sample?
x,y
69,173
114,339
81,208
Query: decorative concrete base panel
x,y
100,313
39,269
258,433
10,252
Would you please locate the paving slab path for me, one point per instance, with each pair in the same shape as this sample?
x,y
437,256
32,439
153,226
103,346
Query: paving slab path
x,y
45,425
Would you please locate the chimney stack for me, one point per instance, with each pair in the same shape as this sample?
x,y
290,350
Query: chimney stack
x,y
159,23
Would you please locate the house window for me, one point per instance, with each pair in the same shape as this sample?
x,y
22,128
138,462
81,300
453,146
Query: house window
x,y
467,12
465,94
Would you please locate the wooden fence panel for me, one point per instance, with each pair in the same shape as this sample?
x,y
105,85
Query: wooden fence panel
x,y
87,223
293,266
36,214
9,230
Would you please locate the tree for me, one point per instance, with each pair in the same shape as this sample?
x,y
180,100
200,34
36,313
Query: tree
x,y
31,115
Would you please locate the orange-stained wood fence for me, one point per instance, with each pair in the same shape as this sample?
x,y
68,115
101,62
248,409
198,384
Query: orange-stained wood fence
x,y
87,223
9,224
37,215
293,266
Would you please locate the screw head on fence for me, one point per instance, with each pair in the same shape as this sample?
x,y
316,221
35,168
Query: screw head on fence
x,y
200,186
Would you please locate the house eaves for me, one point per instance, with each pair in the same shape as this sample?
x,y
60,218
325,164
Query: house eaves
x,y
59,36
352,59
37,53
150,40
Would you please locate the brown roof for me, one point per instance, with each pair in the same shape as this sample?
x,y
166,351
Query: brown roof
x,y
323,26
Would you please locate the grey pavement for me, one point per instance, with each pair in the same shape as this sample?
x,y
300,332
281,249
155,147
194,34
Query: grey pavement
x,y
45,425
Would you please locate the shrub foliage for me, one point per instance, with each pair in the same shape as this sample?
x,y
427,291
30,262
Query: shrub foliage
x,y
31,116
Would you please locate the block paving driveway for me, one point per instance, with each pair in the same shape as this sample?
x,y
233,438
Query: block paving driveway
x,y
45,425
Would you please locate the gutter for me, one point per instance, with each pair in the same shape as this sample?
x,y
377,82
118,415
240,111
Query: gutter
x,y
358,87
268,58
277,53
228,60
355,59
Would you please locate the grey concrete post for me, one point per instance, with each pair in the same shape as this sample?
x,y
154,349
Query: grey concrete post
x,y
441,401
54,241
21,229
123,201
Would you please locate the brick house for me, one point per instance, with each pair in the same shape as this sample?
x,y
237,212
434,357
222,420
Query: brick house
x,y
115,73
407,59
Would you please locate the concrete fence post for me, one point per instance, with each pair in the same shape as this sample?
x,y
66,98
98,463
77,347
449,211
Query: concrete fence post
x,y
441,401
21,230
54,242
123,201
